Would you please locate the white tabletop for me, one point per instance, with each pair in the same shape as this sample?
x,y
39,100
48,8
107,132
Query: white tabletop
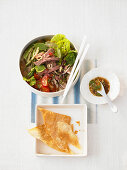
x,y
105,24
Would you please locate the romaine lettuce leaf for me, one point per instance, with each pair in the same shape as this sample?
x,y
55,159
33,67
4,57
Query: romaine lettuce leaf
x,y
58,37
63,44
70,58
58,53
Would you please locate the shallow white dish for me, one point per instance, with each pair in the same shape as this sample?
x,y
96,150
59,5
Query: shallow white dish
x,y
99,72
77,112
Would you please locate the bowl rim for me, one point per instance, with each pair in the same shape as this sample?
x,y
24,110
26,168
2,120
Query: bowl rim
x,y
33,89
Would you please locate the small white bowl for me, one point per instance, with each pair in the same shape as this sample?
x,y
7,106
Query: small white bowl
x,y
44,94
99,72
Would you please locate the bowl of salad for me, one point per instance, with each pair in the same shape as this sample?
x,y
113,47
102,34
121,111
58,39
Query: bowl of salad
x,y
46,63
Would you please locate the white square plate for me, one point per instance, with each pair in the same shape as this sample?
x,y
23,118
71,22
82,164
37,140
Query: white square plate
x,y
78,112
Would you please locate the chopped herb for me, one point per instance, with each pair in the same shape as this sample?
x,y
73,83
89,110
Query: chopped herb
x,y
39,86
60,81
40,68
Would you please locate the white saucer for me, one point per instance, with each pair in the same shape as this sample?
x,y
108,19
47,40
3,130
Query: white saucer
x,y
99,72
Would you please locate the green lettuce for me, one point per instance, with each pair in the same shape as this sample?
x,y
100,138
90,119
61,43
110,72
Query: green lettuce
x,y
70,58
58,37
32,80
40,68
58,52
41,46
63,44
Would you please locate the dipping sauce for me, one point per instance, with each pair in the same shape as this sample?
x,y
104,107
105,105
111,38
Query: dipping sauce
x,y
78,122
94,85
76,132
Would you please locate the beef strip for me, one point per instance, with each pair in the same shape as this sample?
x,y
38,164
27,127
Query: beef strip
x,y
46,57
54,69
43,60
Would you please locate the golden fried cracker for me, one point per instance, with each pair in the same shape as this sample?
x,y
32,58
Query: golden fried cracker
x,y
50,120
64,131
39,132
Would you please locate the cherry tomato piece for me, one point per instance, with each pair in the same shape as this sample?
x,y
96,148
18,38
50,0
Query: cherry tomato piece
x,y
45,89
50,54
45,80
36,76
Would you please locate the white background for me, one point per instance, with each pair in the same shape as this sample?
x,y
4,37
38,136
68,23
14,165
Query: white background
x,y
105,24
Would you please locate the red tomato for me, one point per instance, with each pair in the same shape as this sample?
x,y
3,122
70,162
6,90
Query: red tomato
x,y
45,89
50,54
36,76
45,81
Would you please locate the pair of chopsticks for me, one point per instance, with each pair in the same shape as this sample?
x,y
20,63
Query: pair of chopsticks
x,y
76,67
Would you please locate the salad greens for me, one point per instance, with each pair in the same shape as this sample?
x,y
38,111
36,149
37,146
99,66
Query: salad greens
x,y
58,37
41,46
32,51
48,64
31,80
35,52
40,68
70,58
31,73
63,44
27,52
